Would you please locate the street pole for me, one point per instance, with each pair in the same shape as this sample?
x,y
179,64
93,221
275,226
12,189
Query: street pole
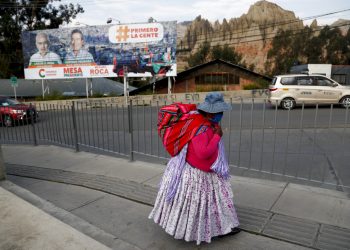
x,y
91,93
14,89
2,166
87,88
169,85
125,85
42,88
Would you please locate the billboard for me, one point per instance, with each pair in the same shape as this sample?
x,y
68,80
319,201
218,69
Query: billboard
x,y
138,49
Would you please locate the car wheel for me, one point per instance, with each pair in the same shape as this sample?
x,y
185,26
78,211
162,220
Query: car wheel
x,y
288,103
7,120
345,102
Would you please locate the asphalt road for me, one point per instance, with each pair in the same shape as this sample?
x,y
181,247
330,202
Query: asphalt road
x,y
308,143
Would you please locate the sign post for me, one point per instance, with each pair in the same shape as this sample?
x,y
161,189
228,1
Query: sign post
x,y
42,88
14,84
169,85
91,93
126,88
87,88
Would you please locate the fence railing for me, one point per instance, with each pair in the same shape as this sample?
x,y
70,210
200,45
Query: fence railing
x,y
310,144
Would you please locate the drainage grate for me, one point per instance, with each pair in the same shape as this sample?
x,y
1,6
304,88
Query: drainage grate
x,y
332,237
124,188
252,219
292,229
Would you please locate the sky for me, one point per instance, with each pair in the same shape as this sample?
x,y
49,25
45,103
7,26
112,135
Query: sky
x,y
132,11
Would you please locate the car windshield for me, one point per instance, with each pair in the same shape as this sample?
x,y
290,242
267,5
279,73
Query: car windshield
x,y
274,81
7,102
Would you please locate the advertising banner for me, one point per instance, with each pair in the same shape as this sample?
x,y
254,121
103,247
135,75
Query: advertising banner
x,y
139,50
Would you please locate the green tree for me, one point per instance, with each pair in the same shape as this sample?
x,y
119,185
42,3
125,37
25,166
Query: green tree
x,y
335,45
347,54
231,55
282,55
225,53
21,15
306,46
313,50
201,56
207,53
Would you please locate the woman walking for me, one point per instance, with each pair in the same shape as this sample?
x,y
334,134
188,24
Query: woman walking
x,y
195,200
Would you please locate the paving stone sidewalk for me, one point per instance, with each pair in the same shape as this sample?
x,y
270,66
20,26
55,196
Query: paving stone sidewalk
x,y
266,223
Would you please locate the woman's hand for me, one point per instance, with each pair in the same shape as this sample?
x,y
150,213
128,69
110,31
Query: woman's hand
x,y
217,130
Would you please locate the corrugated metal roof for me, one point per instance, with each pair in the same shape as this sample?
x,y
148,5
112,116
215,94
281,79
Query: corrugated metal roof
x,y
181,75
30,88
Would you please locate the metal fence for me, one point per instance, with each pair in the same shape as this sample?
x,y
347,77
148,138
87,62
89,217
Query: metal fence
x,y
308,144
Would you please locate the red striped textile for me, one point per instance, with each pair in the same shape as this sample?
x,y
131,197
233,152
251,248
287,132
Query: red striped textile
x,y
176,126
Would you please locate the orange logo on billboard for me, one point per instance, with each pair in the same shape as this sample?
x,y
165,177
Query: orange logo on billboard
x,y
136,33
122,33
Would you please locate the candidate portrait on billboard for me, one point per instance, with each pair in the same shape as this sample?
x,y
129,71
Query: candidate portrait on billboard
x,y
43,55
136,50
77,53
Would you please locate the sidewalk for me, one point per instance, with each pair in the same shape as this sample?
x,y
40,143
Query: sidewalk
x,y
274,215
20,229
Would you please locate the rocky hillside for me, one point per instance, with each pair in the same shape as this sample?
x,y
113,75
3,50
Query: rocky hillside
x,y
343,25
250,35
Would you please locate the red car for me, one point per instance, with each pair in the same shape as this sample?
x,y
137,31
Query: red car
x,y
13,112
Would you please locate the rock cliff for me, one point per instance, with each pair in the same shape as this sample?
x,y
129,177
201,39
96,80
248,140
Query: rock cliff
x,y
343,25
250,35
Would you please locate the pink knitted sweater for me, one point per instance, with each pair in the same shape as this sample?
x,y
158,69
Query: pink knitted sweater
x,y
203,150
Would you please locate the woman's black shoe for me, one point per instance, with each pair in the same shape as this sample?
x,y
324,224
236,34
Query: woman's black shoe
x,y
234,231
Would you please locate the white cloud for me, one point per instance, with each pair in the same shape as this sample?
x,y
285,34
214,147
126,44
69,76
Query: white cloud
x,y
220,9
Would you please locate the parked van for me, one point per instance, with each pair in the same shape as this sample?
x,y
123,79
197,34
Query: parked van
x,y
287,91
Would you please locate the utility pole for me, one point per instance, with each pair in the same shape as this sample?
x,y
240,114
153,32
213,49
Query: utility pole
x,y
2,166
126,85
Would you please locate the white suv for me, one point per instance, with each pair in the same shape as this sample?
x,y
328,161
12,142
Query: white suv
x,y
287,91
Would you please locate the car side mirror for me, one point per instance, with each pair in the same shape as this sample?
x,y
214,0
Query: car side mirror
x,y
334,85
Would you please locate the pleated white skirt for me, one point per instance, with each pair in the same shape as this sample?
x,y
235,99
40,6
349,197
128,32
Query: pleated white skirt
x,y
201,209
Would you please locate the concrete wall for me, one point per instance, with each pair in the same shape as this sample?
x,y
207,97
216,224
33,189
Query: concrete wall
x,y
151,99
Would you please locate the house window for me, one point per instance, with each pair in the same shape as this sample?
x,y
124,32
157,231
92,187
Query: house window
x,y
213,78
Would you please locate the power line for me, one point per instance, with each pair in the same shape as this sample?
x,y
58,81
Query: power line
x,y
272,37
211,34
44,3
286,22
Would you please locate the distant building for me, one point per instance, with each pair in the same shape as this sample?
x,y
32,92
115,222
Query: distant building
x,y
339,73
216,75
